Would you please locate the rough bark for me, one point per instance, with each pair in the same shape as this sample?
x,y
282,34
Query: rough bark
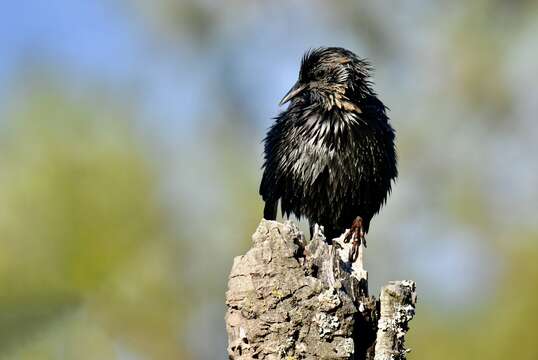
x,y
292,299
397,308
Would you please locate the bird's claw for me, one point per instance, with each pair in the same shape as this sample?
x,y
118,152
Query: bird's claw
x,y
355,233
354,251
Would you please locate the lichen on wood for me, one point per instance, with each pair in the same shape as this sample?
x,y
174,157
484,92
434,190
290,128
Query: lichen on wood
x,y
292,299
397,308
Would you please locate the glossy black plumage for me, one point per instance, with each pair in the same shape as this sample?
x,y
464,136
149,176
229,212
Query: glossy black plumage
x,y
330,156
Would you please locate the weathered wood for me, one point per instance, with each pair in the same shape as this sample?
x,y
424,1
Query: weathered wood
x,y
292,299
397,308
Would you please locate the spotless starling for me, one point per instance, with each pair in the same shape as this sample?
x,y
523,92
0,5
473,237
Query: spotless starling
x,y
330,155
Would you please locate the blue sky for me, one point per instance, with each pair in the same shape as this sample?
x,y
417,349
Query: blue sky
x,y
84,36
87,42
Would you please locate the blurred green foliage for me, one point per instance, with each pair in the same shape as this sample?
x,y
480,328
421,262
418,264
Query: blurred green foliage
x,y
86,259
503,329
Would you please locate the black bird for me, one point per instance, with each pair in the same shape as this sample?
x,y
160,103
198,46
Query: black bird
x,y
330,156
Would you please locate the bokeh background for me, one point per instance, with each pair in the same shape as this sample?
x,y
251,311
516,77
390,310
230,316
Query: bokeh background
x,y
130,154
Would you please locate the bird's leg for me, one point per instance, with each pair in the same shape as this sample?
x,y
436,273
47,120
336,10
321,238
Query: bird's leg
x,y
355,233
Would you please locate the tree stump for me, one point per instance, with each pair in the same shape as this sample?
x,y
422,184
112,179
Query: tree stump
x,y
292,299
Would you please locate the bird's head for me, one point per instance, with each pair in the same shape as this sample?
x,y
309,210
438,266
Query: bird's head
x,y
330,77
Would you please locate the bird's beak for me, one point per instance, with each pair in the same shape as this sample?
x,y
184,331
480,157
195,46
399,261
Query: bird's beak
x,y
294,91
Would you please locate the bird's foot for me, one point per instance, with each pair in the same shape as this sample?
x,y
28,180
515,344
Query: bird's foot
x,y
355,233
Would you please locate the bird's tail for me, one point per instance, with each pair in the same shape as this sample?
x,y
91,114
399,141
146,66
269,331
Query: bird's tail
x,y
270,209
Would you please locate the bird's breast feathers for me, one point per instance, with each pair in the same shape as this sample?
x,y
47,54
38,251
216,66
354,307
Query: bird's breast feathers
x,y
318,143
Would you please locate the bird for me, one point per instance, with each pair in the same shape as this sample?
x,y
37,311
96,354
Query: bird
x,y
330,156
